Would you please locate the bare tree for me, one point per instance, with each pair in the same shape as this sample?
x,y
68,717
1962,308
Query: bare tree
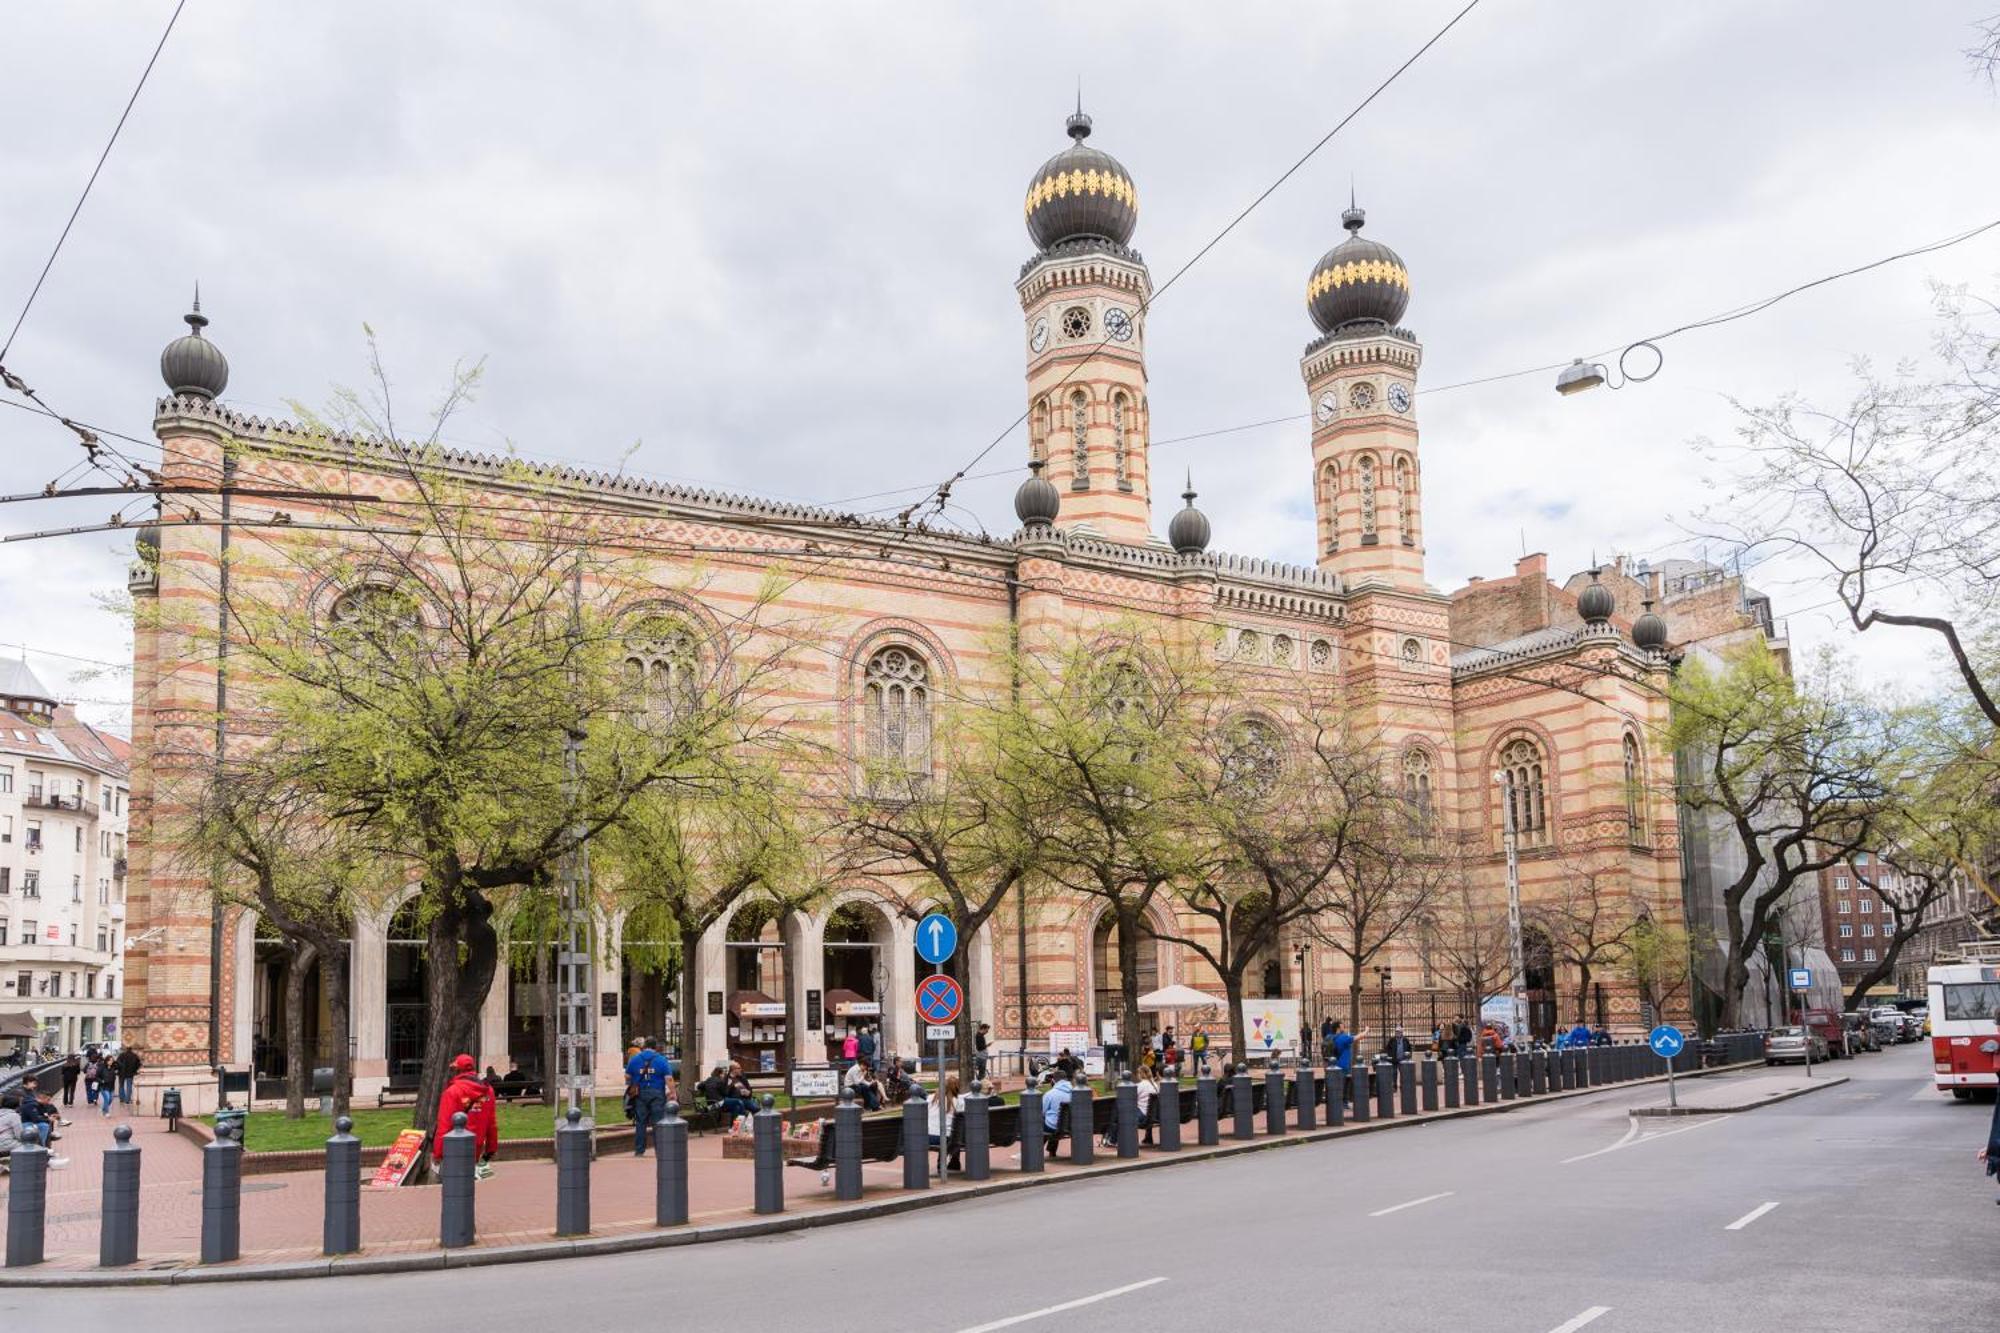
x,y
1470,939
1588,924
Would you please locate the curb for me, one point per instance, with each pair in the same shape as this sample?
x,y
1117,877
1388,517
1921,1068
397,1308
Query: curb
x,y
629,1242
1773,1100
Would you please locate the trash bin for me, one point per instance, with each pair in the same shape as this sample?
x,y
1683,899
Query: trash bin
x,y
170,1107
234,1119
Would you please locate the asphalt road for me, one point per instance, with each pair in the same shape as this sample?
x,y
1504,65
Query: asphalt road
x,y
1856,1208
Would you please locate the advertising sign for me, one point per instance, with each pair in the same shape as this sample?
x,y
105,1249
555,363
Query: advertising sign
x,y
815,1082
403,1155
1271,1027
1073,1040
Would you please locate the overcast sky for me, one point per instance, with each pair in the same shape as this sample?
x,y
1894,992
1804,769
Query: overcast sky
x,y
775,248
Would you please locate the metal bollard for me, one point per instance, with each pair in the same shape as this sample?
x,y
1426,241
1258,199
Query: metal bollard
x,y
1308,1097
1489,1078
1128,1115
1336,1096
1507,1071
1208,1132
27,1204
847,1147
1449,1077
1358,1086
670,1168
1032,1131
340,1233
767,1136
1082,1128
1595,1057
1429,1075
1385,1091
1167,1112
1242,1106
1406,1074
916,1143
222,1199
118,1234
1468,1069
1274,1101
455,1215
1538,1081
572,1175
978,1120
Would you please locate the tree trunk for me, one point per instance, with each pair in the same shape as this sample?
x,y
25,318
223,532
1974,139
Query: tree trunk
x,y
545,987
333,981
1232,994
1128,977
298,1064
1582,992
1735,977
1354,1004
461,950
693,1058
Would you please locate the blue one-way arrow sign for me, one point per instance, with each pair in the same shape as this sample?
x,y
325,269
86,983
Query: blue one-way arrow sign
x,y
937,938
1666,1041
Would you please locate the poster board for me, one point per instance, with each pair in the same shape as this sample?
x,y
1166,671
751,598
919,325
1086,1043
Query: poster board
x,y
1074,1040
402,1158
1271,1028
815,1081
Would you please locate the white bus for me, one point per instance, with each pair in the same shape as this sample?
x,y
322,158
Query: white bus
x,y
1965,1025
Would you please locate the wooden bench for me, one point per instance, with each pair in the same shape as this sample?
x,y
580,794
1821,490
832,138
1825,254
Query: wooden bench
x,y
881,1141
1103,1119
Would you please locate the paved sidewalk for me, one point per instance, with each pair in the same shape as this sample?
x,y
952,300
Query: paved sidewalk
x,y
1725,1096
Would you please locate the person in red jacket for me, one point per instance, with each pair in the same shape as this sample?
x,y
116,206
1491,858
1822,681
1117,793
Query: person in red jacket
x,y
468,1093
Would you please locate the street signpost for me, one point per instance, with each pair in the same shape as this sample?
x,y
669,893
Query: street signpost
x,y
1801,978
940,1000
1667,1041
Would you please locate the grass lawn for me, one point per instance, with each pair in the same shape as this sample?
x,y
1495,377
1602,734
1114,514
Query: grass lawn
x,y
271,1132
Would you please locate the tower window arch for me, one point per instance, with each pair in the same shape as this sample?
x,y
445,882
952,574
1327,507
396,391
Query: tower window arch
x,y
1635,814
1121,411
661,663
1417,781
1524,790
1075,322
1079,425
1364,475
1329,495
1405,507
896,717
1038,431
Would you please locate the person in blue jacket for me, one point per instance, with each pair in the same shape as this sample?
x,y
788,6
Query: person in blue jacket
x,y
647,1075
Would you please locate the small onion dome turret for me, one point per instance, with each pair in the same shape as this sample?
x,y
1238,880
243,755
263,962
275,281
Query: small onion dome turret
x,y
1649,631
1188,533
1038,501
192,366
1595,603
1080,192
1357,282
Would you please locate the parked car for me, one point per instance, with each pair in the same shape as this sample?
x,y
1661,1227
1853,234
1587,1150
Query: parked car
x,y
1860,1033
1832,1032
1888,1031
1899,1021
1789,1046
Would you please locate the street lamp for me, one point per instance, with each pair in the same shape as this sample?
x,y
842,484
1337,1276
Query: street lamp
x,y
1580,375
1300,954
1383,973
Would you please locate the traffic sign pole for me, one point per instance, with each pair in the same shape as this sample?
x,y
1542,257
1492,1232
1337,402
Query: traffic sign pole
x,y
1666,1041
940,1000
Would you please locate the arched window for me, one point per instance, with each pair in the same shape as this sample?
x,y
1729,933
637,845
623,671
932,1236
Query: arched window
x,y
1634,794
1364,472
1118,414
1038,431
896,711
1524,791
1329,495
661,663
1404,508
374,625
1417,781
1252,758
1079,424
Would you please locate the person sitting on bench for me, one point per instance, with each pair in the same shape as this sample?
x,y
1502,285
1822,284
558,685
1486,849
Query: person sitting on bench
x,y
860,1077
1053,1102
719,1091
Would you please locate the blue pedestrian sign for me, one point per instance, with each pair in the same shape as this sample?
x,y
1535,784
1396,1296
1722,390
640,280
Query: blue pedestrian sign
x,y
939,999
1801,978
937,938
1666,1041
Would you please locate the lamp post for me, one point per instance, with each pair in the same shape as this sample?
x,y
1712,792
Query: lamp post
x,y
881,1009
1383,973
1579,375
1300,955
1511,842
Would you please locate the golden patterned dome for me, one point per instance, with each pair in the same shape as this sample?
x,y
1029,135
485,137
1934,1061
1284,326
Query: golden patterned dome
x,y
1081,192
1357,282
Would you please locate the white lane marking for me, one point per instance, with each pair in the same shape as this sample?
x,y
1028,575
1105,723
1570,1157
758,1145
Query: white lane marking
x,y
1048,1310
1397,1208
1631,1137
1587,1316
1751,1216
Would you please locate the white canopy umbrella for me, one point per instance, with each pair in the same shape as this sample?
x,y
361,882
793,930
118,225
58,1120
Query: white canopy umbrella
x,y
1176,997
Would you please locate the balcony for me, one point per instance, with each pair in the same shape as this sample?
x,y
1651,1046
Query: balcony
x,y
118,868
37,799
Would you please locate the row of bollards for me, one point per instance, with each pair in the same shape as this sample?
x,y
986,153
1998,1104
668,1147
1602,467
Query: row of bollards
x,y
1333,1095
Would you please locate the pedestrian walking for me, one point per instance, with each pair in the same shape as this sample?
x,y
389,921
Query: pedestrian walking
x,y
850,1050
1397,1048
647,1076
93,1066
865,1048
1198,1048
979,1045
466,1092
72,1070
1990,1154
126,1066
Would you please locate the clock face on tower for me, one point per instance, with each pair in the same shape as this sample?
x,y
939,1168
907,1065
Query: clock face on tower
x,y
1327,406
1361,397
1399,398
1039,337
1118,324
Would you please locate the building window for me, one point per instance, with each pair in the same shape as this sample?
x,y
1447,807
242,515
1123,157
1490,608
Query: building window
x,y
1867,903
1403,505
1840,883
103,940
1413,652
6,828
76,888
1634,815
1253,760
1847,955
1079,425
79,837
1846,907
1329,494
1868,929
3,934
24,982
660,664
1118,413
90,983
1846,929
34,832
1364,472
896,710
31,883
6,879
1867,955
6,778
1038,431
1522,788
111,988
31,931
1075,322
103,892
1417,781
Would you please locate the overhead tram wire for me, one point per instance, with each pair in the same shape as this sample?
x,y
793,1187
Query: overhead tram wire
x,y
116,130
942,491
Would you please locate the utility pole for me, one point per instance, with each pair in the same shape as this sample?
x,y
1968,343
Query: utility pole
x,y
1511,841
574,954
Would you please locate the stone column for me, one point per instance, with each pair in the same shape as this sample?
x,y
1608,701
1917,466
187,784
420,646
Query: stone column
x,y
806,971
493,1013
608,1062
709,967
370,1003
900,1005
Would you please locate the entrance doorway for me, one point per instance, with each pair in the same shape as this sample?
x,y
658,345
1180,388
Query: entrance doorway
x,y
855,971
758,1011
1107,990
406,1004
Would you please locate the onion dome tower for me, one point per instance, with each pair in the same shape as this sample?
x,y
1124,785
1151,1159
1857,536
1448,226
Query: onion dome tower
x,y
192,366
1360,375
1083,300
1649,631
1188,532
1037,502
1596,603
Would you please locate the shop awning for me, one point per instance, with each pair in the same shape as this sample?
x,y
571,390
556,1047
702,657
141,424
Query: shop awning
x,y
851,1004
19,1023
755,1004
1176,997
